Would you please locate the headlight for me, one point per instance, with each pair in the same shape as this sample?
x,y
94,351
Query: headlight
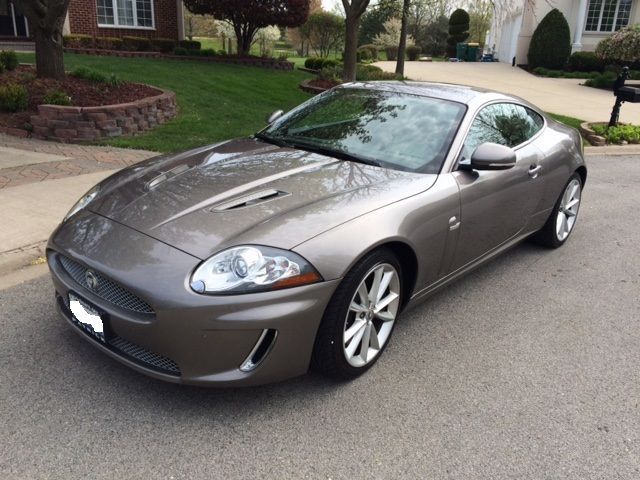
x,y
247,269
83,202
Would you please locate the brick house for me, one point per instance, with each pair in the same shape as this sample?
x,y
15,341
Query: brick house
x,y
104,18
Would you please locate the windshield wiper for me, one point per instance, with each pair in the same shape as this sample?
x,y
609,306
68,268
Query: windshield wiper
x,y
334,153
273,140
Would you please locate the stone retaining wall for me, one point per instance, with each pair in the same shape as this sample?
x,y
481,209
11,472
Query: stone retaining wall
x,y
81,124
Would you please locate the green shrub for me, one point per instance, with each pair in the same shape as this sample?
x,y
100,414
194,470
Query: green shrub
x,y
56,97
180,51
619,134
190,44
13,97
163,45
621,47
413,52
77,41
540,71
331,74
313,63
604,80
550,45
96,77
108,43
330,62
366,73
9,59
136,44
193,52
1,68
554,73
208,52
373,50
364,55
585,62
458,30
392,53
222,52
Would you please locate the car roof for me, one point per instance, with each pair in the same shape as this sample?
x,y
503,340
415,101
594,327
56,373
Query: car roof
x,y
446,91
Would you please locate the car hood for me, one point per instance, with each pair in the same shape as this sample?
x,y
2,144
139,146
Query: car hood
x,y
247,191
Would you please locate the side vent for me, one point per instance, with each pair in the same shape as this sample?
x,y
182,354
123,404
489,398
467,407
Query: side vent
x,y
249,200
261,349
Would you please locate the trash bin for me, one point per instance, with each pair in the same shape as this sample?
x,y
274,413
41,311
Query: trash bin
x,y
461,51
472,52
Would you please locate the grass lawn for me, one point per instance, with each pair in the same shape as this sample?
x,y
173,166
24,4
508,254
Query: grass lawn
x,y
570,121
216,101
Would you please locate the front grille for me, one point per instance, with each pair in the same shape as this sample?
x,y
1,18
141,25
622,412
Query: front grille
x,y
144,356
105,288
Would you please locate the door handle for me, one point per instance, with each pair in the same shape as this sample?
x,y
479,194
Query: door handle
x,y
534,170
454,223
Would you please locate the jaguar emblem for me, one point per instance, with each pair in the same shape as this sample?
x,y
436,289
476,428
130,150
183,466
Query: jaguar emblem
x,y
91,280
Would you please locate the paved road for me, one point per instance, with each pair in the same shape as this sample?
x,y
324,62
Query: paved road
x,y
557,95
528,368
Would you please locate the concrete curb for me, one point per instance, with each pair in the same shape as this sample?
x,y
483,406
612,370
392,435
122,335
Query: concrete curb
x,y
17,258
612,150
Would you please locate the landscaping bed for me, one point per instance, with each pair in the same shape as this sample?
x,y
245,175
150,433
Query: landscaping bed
x,y
62,110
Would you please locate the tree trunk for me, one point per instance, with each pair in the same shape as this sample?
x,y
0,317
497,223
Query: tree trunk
x,y
49,58
351,48
403,38
244,44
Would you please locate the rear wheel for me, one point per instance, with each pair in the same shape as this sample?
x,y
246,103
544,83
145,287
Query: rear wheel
x,y
360,317
563,218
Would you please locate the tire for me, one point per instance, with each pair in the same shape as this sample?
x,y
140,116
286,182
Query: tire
x,y
552,235
349,315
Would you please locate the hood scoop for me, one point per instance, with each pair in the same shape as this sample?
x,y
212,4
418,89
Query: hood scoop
x,y
249,200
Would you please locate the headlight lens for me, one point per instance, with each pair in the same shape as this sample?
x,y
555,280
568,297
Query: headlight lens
x,y
83,202
247,269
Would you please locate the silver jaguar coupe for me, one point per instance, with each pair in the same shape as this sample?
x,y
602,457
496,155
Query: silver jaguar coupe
x,y
252,260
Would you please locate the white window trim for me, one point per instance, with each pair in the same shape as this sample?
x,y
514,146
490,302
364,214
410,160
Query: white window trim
x,y
116,24
615,20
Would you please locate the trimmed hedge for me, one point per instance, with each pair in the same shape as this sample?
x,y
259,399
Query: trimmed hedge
x,y
190,44
458,30
413,52
550,45
163,45
585,62
77,41
317,63
108,43
136,44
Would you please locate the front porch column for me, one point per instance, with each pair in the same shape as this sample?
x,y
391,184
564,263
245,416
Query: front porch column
x,y
579,27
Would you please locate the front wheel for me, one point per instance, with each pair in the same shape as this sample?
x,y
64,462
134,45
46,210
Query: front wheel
x,y
360,317
563,218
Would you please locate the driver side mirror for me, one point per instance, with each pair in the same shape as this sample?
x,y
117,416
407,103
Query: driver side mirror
x,y
492,156
274,116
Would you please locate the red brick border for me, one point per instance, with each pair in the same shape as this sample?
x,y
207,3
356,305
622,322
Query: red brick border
x,y
81,124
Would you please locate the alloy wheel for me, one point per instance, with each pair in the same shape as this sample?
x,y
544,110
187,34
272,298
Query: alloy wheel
x,y
568,210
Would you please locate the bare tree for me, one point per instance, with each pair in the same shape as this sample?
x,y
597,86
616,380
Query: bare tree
x,y
353,10
46,19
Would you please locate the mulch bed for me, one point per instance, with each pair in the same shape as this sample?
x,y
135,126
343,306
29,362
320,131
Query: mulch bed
x,y
83,93
322,83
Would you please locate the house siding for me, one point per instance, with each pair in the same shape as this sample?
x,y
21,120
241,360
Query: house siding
x,y
83,19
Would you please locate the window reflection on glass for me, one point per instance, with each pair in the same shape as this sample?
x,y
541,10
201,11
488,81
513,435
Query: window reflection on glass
x,y
502,123
398,130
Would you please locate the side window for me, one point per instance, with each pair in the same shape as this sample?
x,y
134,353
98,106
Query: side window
x,y
503,123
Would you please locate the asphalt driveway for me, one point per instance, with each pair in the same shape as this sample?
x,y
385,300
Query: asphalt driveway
x,y
556,95
528,368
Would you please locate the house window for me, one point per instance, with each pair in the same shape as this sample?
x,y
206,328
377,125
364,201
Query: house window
x,y
125,13
607,15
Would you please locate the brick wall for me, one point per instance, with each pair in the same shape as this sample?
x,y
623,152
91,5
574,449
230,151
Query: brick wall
x,y
83,19
81,124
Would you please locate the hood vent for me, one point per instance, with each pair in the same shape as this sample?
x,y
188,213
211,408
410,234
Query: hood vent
x,y
249,200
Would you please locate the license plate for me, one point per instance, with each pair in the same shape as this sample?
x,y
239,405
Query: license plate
x,y
86,317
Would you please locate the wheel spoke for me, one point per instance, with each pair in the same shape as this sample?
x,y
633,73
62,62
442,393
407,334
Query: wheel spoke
x,y
374,342
364,295
385,316
364,344
375,286
570,213
384,284
574,190
357,308
382,304
564,226
351,348
572,203
353,329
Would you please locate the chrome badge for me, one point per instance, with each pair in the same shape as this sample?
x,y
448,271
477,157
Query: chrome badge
x,y
91,280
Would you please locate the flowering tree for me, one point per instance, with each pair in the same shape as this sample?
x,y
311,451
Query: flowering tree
x,y
248,16
391,35
622,46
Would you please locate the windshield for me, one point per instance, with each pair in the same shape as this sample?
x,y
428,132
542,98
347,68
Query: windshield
x,y
395,130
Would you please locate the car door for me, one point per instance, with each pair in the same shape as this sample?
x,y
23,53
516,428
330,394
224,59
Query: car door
x,y
496,205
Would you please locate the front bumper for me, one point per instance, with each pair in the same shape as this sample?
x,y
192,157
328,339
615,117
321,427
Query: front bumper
x,y
186,337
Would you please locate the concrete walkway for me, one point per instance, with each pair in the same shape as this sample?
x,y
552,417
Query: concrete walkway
x,y
39,182
555,95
